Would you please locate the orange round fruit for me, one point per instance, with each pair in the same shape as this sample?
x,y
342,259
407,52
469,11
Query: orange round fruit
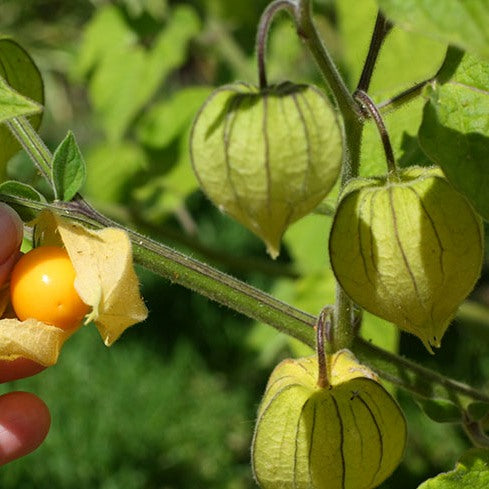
x,y
42,288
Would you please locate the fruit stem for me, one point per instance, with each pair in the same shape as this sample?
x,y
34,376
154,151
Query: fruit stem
x,y
262,35
323,333
381,29
306,29
374,112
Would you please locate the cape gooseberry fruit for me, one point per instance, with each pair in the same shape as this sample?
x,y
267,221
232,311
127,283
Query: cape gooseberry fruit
x,y
350,435
266,157
409,251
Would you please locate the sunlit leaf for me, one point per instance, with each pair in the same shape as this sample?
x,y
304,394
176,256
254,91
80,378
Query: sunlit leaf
x,y
68,168
471,472
460,23
18,69
455,128
169,118
112,170
126,74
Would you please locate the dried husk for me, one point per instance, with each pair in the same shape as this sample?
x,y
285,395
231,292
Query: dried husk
x,y
349,436
105,280
267,157
408,251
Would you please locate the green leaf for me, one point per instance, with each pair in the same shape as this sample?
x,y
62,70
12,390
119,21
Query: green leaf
x,y
112,170
20,72
405,59
455,128
455,22
471,472
125,75
19,189
166,120
12,188
13,104
69,169
441,410
168,188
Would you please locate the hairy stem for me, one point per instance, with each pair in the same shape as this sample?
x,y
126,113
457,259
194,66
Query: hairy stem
x,y
309,34
372,109
32,144
262,307
323,330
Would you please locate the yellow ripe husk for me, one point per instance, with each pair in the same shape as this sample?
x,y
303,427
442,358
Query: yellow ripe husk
x,y
408,251
105,276
349,436
105,280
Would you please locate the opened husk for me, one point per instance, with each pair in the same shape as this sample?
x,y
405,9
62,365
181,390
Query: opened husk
x,y
105,280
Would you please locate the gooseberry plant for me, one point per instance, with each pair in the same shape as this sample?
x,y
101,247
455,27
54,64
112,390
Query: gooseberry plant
x,y
406,244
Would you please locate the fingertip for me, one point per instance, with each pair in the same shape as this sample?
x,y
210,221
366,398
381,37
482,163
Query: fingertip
x,y
11,230
24,424
18,369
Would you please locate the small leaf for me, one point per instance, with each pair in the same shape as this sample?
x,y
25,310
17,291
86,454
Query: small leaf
x,y
441,410
13,188
19,189
471,472
455,22
13,104
21,73
455,128
69,169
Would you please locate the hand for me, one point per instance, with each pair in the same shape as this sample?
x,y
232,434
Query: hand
x,y
24,418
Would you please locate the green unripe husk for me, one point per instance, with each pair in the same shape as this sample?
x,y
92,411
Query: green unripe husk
x,y
408,251
350,435
266,157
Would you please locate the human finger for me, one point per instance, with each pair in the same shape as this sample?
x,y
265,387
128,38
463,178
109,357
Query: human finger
x,y
18,369
24,424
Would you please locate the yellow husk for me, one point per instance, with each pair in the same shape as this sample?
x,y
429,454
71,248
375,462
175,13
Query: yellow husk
x,y
105,280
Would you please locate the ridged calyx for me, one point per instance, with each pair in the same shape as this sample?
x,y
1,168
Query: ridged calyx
x,y
348,436
266,157
409,251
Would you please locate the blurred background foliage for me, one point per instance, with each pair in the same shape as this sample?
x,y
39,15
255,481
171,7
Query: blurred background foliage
x,y
172,404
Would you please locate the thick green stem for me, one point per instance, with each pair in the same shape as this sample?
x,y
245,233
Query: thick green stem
x,y
343,331
309,34
32,144
262,307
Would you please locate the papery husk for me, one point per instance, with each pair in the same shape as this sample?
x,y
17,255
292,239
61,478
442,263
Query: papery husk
x,y
408,250
266,157
105,280
350,435
105,276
